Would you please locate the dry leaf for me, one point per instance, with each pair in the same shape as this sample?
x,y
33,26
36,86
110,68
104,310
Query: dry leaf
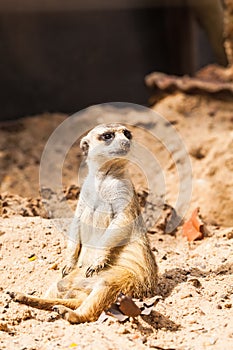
x,y
132,308
127,306
194,228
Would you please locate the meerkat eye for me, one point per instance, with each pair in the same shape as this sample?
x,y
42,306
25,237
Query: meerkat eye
x,y
127,134
107,136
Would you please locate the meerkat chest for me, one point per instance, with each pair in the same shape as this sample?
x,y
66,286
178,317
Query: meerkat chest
x,y
96,216
100,194
98,211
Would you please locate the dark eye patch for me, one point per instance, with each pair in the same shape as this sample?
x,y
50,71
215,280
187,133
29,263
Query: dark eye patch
x,y
127,134
107,136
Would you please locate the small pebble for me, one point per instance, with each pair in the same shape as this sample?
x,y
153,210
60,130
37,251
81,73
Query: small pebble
x,y
144,339
4,326
123,331
195,282
211,341
192,321
185,295
228,306
230,234
58,250
54,266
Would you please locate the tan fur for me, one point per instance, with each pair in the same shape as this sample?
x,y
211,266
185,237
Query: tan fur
x,y
108,250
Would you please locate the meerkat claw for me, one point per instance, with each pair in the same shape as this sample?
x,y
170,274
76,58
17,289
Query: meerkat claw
x,y
69,266
90,271
95,269
65,271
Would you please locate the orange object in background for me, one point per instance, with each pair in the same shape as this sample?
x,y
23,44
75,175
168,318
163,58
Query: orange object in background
x,y
194,228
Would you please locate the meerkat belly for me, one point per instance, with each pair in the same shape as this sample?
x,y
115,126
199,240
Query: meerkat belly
x,y
94,222
138,258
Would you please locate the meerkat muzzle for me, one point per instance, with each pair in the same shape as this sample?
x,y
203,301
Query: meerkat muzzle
x,y
125,144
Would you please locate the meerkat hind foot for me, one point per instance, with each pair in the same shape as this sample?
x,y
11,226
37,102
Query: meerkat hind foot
x,y
68,314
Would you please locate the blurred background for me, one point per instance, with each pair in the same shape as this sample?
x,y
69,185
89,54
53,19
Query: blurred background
x,y
58,55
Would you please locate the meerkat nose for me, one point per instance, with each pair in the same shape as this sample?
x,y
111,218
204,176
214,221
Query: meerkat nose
x,y
125,144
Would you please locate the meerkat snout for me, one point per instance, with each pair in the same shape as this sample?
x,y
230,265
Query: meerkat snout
x,y
125,144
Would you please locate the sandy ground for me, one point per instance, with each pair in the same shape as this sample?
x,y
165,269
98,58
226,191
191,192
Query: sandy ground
x,y
195,279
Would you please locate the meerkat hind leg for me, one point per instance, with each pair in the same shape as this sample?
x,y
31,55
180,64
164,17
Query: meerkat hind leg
x,y
97,301
102,296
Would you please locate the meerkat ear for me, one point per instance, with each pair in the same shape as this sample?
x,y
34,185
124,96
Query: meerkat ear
x,y
84,145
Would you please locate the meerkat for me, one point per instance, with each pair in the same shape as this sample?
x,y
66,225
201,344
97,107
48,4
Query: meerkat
x,y
108,251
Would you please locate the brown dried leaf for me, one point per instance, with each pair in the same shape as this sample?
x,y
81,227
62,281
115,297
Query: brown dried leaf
x,y
126,307
194,228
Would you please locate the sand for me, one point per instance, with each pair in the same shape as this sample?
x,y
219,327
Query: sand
x,y
195,278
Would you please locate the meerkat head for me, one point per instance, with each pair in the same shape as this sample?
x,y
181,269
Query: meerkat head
x,y
107,141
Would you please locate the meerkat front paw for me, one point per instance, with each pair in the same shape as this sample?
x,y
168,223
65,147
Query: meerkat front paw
x,y
98,265
69,266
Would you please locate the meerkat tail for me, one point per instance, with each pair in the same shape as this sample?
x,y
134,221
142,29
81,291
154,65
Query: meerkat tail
x,y
47,304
